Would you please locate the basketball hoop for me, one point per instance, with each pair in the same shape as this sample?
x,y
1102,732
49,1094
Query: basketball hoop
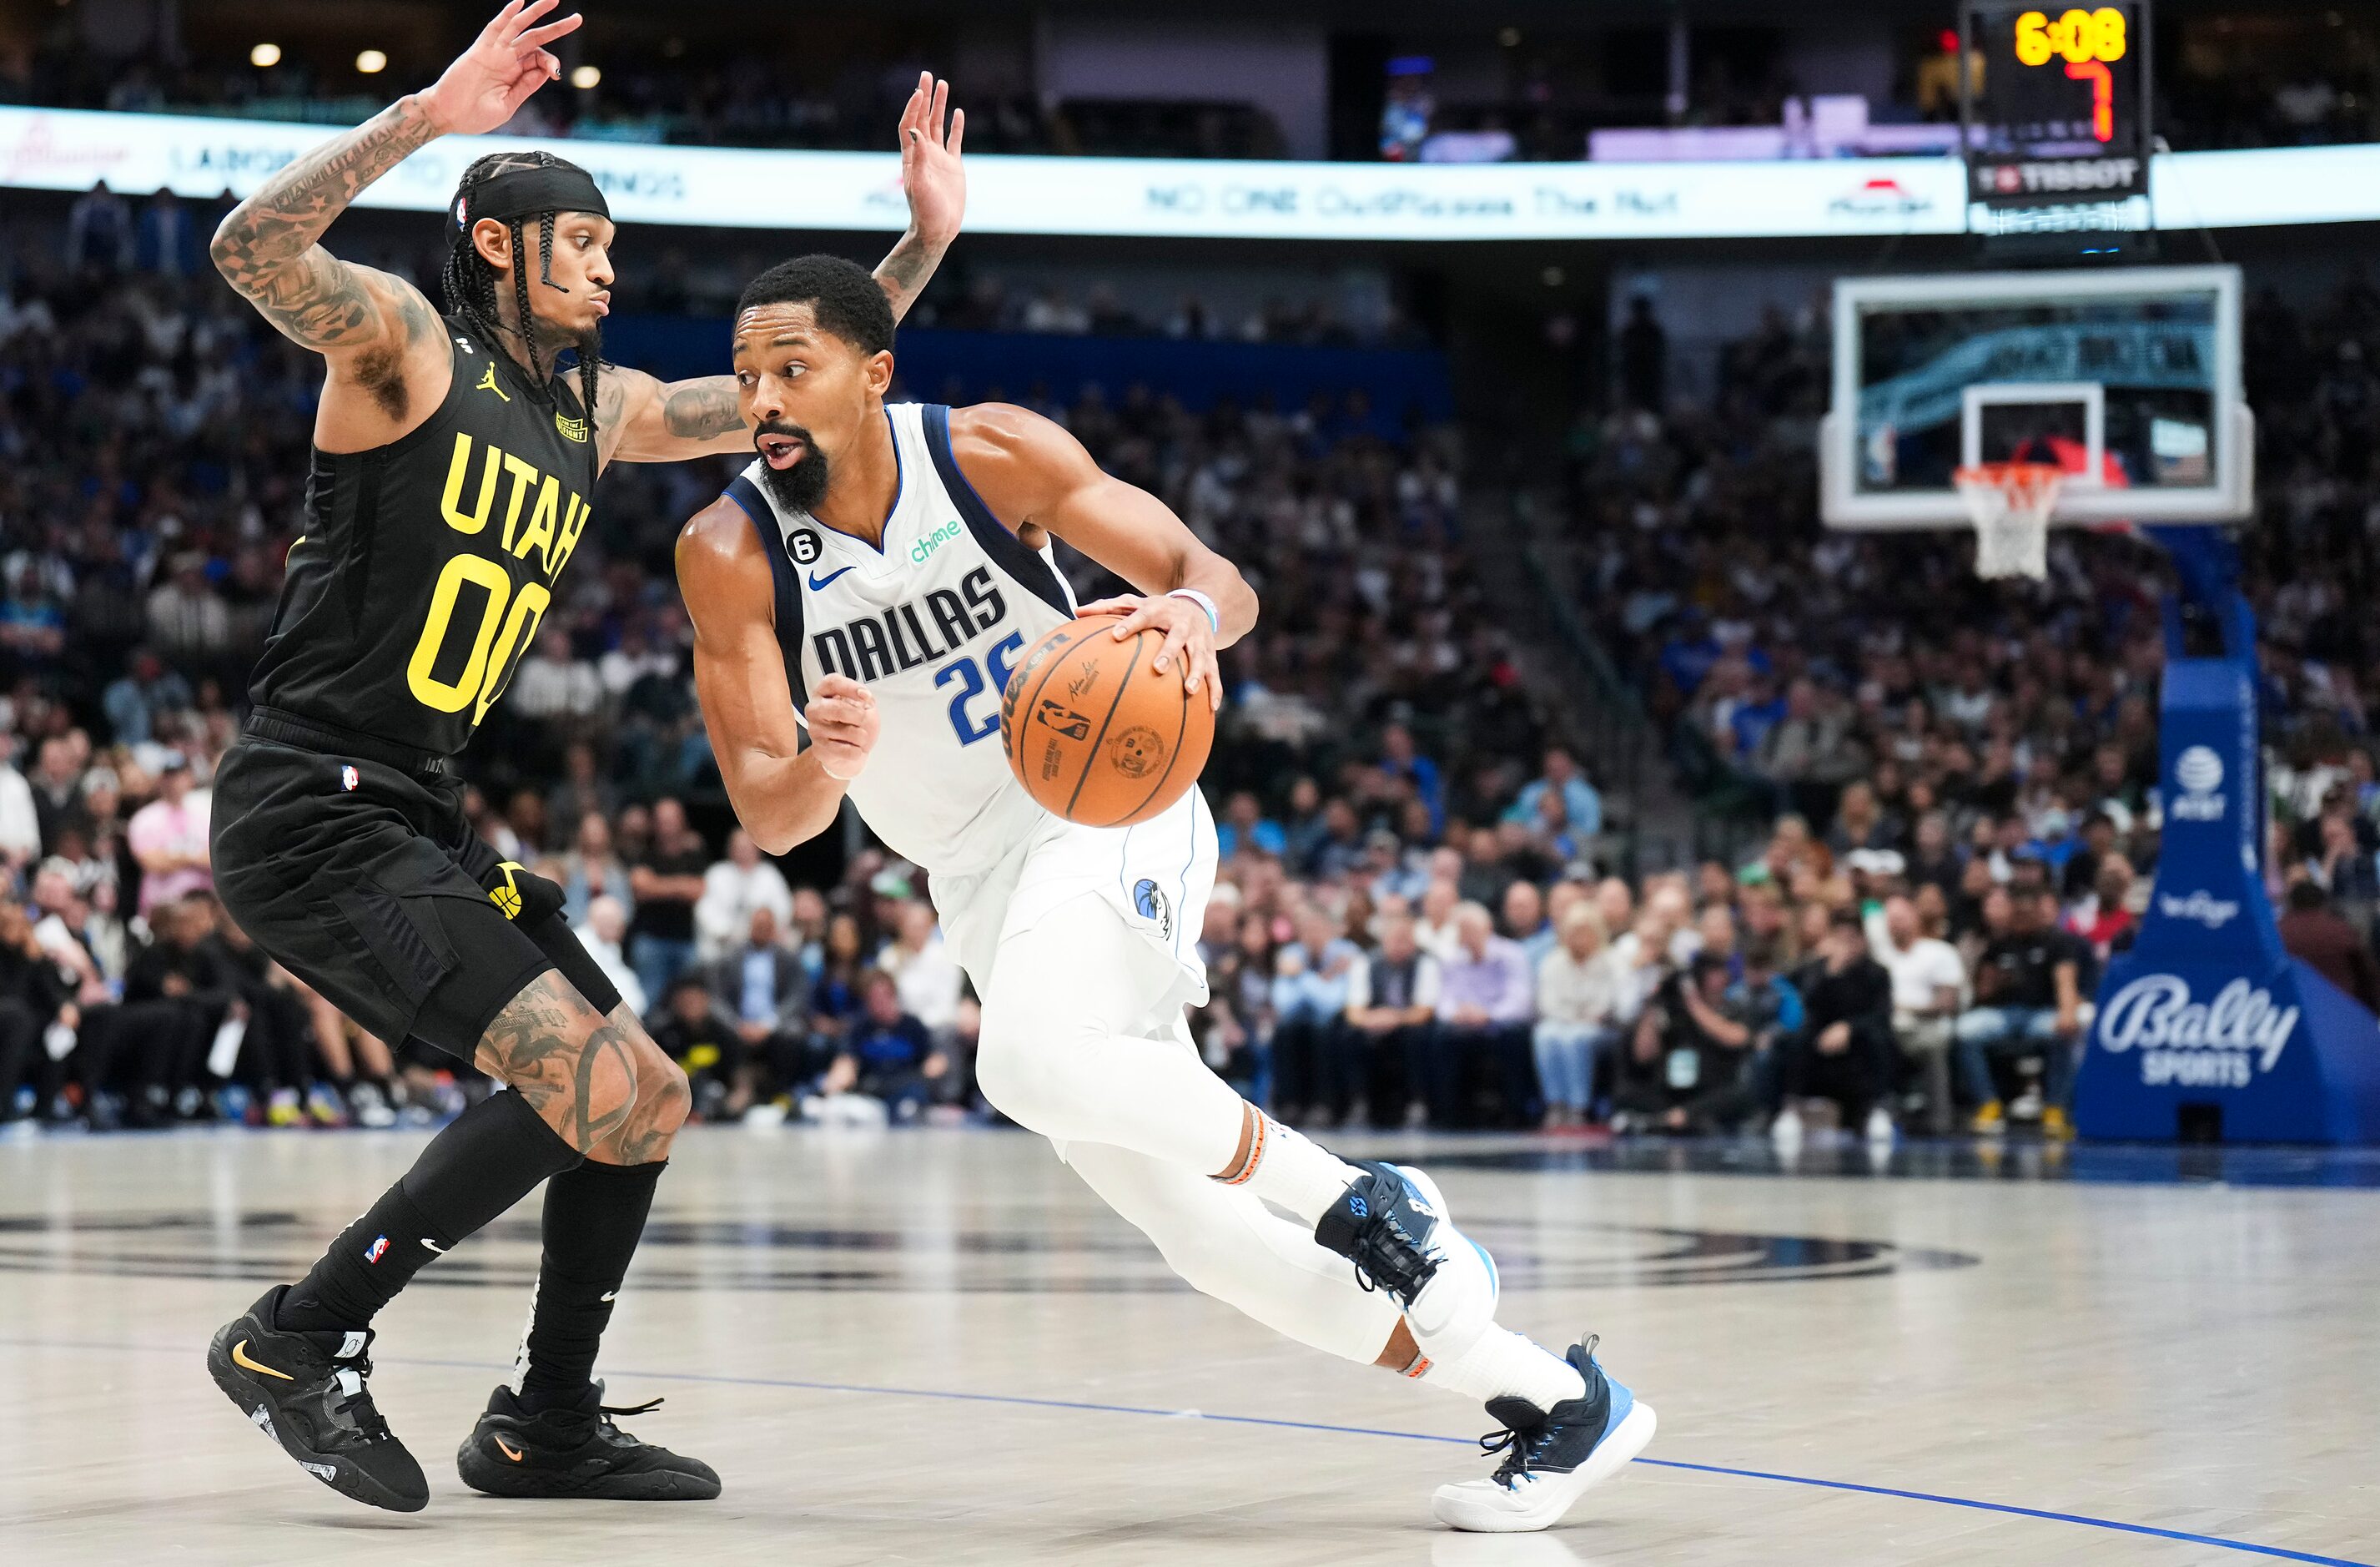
x,y
2010,503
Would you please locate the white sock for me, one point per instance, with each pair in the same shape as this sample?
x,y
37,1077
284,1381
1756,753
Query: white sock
x,y
1503,1364
1293,1172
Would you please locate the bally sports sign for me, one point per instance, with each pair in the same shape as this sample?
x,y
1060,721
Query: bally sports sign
x,y
2186,1043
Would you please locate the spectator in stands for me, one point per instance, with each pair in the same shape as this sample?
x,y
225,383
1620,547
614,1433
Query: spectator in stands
x,y
1525,921
590,871
888,1056
732,889
1582,806
2314,930
699,1035
1486,997
36,997
99,231
603,933
835,988
2028,995
57,788
1385,1043
1314,977
928,979
1244,826
761,988
20,821
147,689
1929,982
1401,761
187,616
667,883
1843,1050
169,838
1687,1067
1579,993
167,241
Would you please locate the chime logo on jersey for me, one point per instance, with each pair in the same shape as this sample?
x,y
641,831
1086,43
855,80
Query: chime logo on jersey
x,y
918,631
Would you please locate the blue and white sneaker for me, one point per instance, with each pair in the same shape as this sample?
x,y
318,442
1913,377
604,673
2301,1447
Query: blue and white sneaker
x,y
1551,1456
1393,1225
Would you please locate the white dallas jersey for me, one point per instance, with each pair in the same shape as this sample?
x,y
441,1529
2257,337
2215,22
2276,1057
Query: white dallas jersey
x,y
931,623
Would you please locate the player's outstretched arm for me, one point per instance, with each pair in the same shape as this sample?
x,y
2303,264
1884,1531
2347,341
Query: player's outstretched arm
x,y
366,322
644,419
1030,469
783,793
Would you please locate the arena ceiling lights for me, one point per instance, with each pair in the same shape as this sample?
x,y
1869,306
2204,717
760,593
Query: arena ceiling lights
x,y
736,188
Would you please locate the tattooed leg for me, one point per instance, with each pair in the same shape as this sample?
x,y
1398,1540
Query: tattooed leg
x,y
605,1090
664,1100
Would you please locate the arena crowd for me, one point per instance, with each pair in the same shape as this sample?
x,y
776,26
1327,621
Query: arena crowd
x,y
1421,919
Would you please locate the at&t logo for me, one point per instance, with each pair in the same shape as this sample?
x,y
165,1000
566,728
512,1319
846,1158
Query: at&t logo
x,y
2199,773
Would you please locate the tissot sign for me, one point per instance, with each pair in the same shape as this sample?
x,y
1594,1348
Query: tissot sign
x,y
740,188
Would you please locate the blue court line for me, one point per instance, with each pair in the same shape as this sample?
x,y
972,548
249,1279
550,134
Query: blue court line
x,y
2084,1520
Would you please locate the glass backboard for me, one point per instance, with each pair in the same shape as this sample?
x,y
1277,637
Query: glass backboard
x,y
2127,378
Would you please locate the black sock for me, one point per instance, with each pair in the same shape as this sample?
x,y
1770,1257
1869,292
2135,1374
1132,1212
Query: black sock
x,y
488,1159
594,1216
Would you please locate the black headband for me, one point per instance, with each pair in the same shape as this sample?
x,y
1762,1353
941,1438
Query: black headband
x,y
526,193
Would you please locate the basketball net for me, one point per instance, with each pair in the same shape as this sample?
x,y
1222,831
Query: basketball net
x,y
2010,504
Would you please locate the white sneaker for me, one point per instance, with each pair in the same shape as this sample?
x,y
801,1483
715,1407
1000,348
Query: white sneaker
x,y
1880,1126
1393,1225
1551,1457
1786,1127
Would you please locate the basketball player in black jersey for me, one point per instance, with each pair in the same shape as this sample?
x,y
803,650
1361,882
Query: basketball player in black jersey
x,y
454,469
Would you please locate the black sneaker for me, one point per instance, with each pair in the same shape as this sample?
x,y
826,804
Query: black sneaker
x,y
576,1450
1551,1456
1392,1226
307,1392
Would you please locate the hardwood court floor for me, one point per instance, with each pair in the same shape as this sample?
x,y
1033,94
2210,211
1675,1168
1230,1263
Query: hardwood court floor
x,y
936,1347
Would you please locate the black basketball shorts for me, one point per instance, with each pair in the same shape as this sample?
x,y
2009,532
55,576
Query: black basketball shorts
x,y
366,882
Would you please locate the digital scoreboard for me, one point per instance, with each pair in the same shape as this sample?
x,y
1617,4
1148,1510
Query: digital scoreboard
x,y
2056,105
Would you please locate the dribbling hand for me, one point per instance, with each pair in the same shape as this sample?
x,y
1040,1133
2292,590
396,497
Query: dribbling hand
x,y
495,76
1189,637
842,723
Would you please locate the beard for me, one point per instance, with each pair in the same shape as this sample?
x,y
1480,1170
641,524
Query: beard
x,y
801,487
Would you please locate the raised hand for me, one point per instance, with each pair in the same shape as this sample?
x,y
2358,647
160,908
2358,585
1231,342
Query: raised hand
x,y
931,173
495,76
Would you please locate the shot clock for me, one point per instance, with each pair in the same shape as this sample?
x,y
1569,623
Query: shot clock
x,y
2058,117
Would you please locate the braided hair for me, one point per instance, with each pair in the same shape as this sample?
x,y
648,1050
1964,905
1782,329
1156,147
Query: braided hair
x,y
470,281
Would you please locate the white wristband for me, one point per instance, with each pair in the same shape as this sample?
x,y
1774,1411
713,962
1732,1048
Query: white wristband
x,y
1214,616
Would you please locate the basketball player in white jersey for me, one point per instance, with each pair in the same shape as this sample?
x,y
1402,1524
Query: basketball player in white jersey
x,y
871,578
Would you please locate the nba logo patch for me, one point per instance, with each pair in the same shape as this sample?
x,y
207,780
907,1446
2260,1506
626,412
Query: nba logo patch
x,y
349,777
379,1248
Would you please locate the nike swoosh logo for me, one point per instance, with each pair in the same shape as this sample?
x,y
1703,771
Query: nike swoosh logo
x,y
610,1294
240,1358
508,1450
817,582
434,1246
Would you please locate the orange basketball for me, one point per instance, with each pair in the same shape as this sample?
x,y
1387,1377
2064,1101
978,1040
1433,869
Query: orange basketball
x,y
1097,736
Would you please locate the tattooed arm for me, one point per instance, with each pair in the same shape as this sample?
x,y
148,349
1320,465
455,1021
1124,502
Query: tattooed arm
x,y
643,420
387,356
